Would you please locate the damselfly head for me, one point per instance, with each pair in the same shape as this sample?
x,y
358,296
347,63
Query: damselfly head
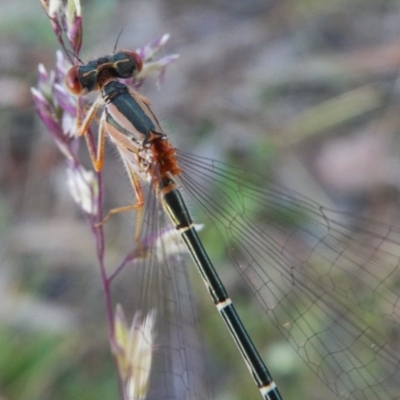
x,y
83,79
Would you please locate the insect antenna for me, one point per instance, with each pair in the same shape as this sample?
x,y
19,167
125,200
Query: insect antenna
x,y
116,42
74,56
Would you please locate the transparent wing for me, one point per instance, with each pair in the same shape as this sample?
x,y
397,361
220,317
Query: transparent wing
x,y
330,282
157,279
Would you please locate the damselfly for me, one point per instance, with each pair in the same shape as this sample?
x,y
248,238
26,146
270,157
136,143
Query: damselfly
x,y
332,292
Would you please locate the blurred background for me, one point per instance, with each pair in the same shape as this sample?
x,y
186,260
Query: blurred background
x,y
305,91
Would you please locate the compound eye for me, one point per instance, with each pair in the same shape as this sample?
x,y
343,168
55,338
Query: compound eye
x,y
136,60
72,81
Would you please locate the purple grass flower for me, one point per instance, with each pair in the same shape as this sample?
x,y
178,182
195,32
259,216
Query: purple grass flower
x,y
83,188
133,348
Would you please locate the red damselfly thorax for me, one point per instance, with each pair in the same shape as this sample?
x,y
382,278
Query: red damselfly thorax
x,y
328,289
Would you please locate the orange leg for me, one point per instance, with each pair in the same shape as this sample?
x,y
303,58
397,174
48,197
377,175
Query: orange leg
x,y
82,128
118,210
138,206
139,196
96,157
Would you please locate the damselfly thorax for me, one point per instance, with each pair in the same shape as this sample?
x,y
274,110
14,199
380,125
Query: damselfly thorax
x,y
135,131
